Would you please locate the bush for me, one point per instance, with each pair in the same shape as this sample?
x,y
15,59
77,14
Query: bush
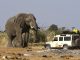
x,y
41,37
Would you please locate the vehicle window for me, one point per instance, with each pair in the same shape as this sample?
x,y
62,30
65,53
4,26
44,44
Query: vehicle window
x,y
67,38
55,39
60,38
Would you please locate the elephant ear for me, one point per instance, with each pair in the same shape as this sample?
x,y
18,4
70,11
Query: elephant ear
x,y
19,18
31,16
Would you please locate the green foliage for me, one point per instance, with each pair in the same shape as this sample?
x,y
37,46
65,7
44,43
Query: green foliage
x,y
41,36
57,32
52,31
53,27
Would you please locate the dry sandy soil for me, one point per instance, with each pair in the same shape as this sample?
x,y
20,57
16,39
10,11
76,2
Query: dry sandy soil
x,y
35,52
38,53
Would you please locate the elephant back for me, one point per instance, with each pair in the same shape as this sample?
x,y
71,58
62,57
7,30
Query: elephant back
x,y
10,22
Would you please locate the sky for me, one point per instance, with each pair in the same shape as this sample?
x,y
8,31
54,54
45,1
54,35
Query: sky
x,y
64,13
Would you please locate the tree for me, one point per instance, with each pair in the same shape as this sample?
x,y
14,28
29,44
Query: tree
x,y
63,28
53,27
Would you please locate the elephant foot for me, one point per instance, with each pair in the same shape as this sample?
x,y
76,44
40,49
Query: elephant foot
x,y
18,45
9,45
25,45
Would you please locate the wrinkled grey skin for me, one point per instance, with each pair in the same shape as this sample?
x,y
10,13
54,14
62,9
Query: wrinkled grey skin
x,y
17,29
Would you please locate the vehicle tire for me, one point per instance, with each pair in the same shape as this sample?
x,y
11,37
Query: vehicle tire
x,y
65,47
48,47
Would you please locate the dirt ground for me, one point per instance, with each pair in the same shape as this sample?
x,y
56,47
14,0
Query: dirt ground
x,y
38,53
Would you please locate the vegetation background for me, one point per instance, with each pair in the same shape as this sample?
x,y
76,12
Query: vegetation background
x,y
43,35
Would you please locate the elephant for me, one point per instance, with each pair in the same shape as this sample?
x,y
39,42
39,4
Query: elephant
x,y
18,27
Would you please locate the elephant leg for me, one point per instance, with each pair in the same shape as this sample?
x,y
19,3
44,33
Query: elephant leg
x,y
26,40
17,43
23,39
34,36
14,42
18,39
10,41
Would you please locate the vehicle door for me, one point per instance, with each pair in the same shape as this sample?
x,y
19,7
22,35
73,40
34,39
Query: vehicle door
x,y
60,42
67,40
55,42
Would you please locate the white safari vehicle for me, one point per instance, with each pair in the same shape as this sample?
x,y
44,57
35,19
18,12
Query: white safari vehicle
x,y
64,41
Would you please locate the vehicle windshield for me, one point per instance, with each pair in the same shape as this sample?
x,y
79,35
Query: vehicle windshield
x,y
56,39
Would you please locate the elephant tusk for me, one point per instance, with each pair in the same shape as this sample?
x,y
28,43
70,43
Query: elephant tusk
x,y
32,27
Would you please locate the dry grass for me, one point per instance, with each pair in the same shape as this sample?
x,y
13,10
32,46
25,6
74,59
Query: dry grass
x,y
3,39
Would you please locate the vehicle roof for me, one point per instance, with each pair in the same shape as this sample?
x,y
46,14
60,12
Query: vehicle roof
x,y
66,35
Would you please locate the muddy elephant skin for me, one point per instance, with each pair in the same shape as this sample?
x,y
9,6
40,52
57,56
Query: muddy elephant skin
x,y
17,29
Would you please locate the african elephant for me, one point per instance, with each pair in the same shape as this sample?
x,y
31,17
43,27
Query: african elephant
x,y
17,29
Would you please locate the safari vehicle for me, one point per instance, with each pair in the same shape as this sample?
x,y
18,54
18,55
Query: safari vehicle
x,y
64,41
